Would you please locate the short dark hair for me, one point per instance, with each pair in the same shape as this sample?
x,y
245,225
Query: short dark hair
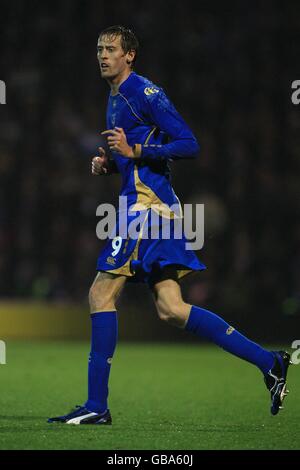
x,y
129,41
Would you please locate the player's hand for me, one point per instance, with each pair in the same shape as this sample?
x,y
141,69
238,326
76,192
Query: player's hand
x,y
117,142
99,164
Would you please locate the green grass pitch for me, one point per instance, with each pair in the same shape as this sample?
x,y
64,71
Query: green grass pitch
x,y
162,396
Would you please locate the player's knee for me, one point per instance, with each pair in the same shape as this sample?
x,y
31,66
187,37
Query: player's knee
x,y
173,313
99,299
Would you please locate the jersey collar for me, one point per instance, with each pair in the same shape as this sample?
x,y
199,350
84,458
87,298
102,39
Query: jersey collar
x,y
128,87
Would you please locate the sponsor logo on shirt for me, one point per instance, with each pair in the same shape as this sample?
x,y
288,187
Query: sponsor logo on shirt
x,y
150,91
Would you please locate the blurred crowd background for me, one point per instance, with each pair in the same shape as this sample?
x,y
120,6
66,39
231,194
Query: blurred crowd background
x,y
228,70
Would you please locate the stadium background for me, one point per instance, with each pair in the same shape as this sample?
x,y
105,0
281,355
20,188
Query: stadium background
x,y
228,71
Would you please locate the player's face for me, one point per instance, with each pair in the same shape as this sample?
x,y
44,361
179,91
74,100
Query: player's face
x,y
112,59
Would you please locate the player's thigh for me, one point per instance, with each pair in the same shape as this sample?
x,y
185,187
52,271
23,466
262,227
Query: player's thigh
x,y
105,290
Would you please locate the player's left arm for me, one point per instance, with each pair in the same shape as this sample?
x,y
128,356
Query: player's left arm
x,y
160,111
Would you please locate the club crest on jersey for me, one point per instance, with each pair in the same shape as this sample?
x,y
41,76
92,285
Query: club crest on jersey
x,y
150,91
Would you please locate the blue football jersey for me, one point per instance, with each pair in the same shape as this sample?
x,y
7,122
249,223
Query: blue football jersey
x,y
153,125
159,134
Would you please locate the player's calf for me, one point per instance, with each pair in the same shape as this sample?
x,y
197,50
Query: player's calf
x,y
175,314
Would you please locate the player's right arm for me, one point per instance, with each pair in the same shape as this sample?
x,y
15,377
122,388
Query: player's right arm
x,y
101,165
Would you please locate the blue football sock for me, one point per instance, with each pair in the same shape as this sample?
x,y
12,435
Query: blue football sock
x,y
205,323
103,344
